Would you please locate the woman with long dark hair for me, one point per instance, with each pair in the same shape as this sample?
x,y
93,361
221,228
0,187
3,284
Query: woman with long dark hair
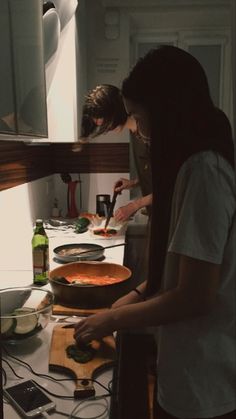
x,y
189,295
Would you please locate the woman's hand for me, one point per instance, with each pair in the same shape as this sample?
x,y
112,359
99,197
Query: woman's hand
x,y
94,327
123,183
123,213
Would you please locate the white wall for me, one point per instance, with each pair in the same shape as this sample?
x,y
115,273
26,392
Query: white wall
x,y
21,205
19,208
62,89
81,58
107,59
86,191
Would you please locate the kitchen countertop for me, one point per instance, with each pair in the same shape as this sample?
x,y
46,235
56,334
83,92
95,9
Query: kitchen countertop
x,y
14,277
36,350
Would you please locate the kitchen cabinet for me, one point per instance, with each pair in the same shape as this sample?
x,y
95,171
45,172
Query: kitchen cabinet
x,y
23,110
36,42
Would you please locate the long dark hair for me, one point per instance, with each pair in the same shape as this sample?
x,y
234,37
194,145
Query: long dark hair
x,y
172,87
105,101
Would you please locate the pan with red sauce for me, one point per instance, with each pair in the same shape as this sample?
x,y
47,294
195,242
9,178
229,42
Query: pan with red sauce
x,y
87,279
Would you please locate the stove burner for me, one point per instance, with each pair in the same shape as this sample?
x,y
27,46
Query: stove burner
x,y
101,259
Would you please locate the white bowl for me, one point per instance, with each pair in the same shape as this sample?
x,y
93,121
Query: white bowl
x,y
99,222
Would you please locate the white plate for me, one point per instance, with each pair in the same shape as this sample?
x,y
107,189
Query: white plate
x,y
120,231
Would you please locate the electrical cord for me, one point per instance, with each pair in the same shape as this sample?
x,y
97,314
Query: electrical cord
x,y
110,384
88,399
27,365
92,399
50,377
79,405
61,413
4,376
65,397
80,194
9,365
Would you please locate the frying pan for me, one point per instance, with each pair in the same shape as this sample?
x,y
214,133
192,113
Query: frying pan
x,y
87,296
71,252
77,252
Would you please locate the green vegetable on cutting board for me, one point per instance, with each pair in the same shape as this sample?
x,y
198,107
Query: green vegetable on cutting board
x,y
81,353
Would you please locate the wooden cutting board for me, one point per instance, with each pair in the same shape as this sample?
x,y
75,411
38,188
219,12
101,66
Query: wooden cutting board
x,y
77,311
83,374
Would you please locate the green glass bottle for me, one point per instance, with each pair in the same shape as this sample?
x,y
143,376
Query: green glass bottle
x,y
40,254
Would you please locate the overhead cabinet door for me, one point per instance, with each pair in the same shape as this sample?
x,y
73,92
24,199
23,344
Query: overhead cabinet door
x,y
23,109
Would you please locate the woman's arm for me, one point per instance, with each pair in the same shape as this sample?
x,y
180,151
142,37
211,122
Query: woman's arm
x,y
194,296
123,213
134,296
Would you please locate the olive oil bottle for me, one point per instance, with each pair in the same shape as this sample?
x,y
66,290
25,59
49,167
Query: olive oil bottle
x,y
40,254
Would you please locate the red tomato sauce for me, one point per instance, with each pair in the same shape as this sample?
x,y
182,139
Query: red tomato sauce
x,y
105,232
92,279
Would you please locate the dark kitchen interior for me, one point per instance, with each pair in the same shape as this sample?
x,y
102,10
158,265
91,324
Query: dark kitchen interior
x,y
22,162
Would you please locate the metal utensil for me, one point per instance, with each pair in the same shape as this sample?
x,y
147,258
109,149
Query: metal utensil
x,y
106,247
111,208
112,205
63,319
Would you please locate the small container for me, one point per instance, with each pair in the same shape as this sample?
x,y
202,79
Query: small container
x,y
55,210
103,202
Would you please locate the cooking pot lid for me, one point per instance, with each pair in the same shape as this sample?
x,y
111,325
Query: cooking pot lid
x,y
71,252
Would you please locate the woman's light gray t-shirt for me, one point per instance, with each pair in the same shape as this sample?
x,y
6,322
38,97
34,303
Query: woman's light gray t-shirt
x,y
197,357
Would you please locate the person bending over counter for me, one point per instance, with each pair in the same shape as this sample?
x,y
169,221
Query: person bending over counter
x,y
104,111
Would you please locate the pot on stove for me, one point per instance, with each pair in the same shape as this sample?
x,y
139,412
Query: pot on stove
x,y
89,296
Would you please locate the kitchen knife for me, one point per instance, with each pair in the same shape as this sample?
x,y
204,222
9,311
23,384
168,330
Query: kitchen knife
x,y
111,208
112,205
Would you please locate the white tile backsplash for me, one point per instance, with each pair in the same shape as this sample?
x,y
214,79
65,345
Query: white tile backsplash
x,y
19,207
91,185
